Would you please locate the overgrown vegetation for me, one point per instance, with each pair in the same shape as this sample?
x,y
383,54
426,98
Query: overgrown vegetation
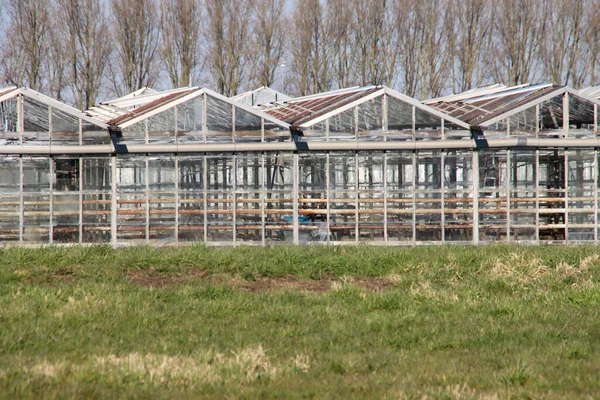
x,y
300,322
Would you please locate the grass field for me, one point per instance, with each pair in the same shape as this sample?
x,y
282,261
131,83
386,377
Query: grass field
x,y
300,322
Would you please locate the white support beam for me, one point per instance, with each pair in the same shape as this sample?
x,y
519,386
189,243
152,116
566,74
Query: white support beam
x,y
385,195
80,178
509,172
356,200
295,194
234,197
475,183
263,199
414,203
328,194
537,196
177,200
595,178
147,195
114,202
21,202
566,178
204,186
51,200
596,119
566,117
443,154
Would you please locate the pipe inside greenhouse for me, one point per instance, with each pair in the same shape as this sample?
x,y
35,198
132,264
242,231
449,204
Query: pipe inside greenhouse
x,y
514,142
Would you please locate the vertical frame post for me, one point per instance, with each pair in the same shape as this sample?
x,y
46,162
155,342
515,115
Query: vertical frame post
x,y
81,182
295,194
475,196
51,200
328,194
263,198
509,181
114,202
566,116
234,195
21,202
384,113
443,194
537,195
414,190
595,178
177,178
205,194
566,178
147,195
385,204
356,200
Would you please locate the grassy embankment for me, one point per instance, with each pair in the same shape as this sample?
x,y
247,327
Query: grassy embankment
x,y
354,322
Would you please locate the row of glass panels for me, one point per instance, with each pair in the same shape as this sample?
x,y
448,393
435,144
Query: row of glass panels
x,y
424,196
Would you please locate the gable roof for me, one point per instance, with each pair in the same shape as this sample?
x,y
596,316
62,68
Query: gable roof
x,y
8,93
482,108
163,101
303,112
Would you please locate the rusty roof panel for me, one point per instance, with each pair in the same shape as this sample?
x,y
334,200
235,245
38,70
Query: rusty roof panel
x,y
149,107
476,110
301,110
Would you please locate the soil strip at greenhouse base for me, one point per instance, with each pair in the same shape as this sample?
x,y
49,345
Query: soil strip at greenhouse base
x,y
154,279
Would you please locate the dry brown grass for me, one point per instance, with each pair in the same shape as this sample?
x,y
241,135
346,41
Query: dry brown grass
x,y
244,366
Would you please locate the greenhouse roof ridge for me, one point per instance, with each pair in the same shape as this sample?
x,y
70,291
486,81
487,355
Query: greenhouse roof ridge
x,y
111,109
7,93
303,112
592,91
176,97
482,108
259,96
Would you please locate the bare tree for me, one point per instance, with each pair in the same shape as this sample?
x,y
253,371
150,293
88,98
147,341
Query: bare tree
x,y
376,56
309,53
181,39
341,30
26,46
87,47
518,32
592,41
406,28
433,62
136,37
227,33
470,40
268,39
561,49
55,73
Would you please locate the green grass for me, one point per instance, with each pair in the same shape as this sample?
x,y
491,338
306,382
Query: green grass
x,y
451,322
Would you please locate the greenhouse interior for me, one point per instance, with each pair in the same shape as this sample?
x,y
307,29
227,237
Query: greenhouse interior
x,y
358,165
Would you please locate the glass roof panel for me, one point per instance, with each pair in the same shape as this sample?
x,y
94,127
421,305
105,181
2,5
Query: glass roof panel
x,y
9,120
219,120
65,127
247,126
36,122
190,121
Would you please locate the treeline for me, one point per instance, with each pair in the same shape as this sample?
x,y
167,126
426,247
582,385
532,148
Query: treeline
x,y
83,50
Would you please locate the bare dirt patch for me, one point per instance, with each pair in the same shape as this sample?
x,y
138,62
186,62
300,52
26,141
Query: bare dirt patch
x,y
156,279
282,283
153,278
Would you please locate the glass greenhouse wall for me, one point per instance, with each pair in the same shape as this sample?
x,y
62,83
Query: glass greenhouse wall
x,y
203,169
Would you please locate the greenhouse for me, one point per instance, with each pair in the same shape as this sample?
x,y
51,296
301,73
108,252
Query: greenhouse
x,y
358,165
